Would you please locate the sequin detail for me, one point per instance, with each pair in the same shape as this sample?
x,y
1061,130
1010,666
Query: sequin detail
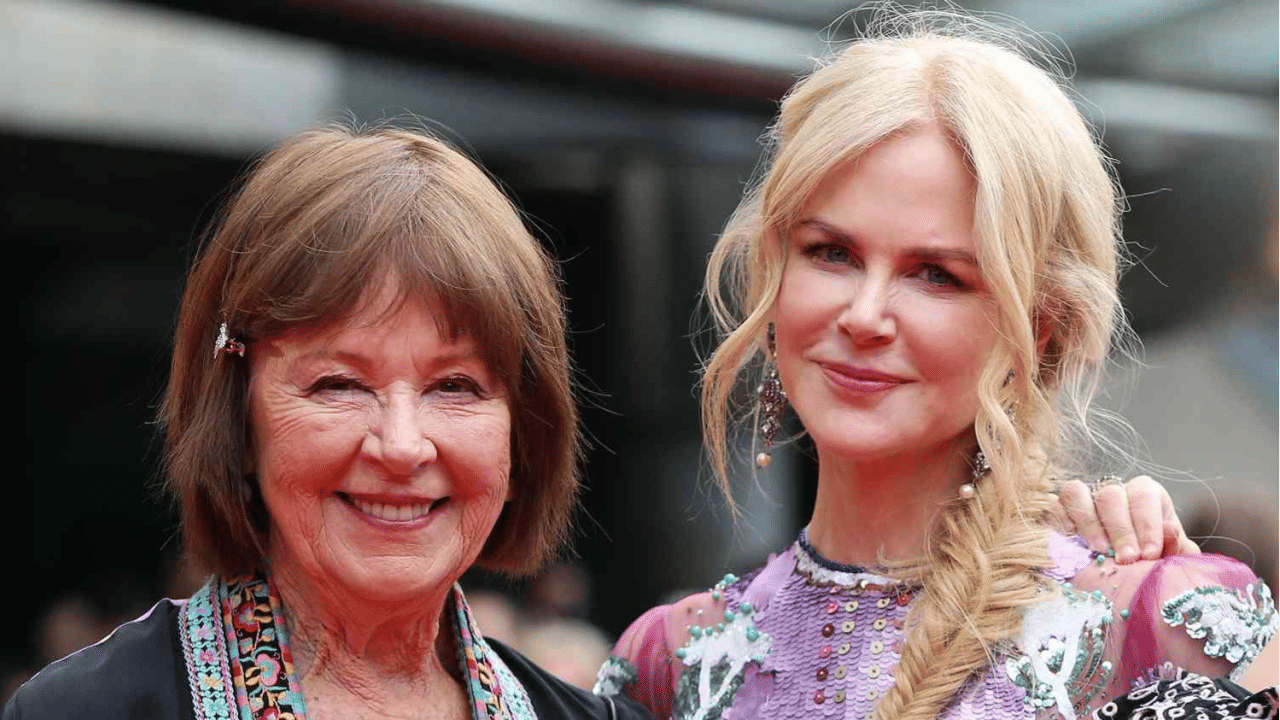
x,y
615,674
1234,624
1059,663
714,662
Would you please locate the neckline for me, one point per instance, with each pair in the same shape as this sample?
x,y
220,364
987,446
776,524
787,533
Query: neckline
x,y
827,572
820,559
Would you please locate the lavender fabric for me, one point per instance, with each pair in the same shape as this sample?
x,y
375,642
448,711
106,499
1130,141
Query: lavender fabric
x,y
804,637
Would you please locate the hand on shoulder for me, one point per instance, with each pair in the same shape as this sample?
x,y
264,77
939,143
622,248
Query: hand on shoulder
x,y
1207,614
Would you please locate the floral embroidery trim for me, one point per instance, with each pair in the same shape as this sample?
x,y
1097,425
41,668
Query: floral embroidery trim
x,y
615,674
266,684
494,691
239,666
1234,624
208,674
1060,665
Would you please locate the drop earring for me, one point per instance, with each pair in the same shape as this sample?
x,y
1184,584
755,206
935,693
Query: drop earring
x,y
980,469
772,399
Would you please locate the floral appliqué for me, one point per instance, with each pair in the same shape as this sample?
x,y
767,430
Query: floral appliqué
x,y
1060,663
714,660
1234,624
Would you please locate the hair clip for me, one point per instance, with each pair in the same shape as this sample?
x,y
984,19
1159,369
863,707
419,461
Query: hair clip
x,y
226,344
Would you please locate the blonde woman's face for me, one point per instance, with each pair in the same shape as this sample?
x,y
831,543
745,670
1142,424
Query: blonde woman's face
x,y
883,321
382,452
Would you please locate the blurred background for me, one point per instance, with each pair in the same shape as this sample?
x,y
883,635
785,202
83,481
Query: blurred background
x,y
626,129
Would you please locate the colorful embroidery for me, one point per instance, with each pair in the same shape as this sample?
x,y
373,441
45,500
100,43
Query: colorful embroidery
x,y
239,666
494,691
208,674
263,673
1234,624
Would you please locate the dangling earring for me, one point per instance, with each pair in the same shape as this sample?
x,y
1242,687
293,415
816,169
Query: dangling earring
x,y
772,400
980,469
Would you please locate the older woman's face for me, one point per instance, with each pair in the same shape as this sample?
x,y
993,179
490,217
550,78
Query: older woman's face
x,y
882,317
381,448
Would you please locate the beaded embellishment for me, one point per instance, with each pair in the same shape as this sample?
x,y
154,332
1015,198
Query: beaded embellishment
x,y
715,658
1060,661
1234,624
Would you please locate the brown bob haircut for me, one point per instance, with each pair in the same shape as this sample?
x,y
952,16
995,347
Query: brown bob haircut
x,y
326,214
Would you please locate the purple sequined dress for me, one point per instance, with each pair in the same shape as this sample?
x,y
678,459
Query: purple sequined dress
x,y
804,637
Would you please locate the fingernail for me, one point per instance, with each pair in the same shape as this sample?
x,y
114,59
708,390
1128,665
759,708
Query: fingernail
x,y
1126,555
1150,552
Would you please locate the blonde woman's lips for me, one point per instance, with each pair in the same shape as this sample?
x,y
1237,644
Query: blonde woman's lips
x,y
859,379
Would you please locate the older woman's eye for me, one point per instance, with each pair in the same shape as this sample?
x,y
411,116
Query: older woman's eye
x,y
458,384
335,383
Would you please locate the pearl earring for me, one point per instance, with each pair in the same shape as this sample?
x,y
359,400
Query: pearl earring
x,y
980,469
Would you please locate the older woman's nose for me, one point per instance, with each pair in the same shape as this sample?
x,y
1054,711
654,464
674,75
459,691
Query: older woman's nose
x,y
867,317
400,442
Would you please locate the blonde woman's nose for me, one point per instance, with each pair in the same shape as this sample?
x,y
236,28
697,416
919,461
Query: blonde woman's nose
x,y
399,441
867,316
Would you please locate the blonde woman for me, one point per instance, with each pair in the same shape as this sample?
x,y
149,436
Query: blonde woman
x,y
926,273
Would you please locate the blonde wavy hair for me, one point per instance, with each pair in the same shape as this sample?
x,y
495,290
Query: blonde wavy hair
x,y
1047,217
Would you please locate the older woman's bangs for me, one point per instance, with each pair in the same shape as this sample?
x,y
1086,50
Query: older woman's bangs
x,y
426,224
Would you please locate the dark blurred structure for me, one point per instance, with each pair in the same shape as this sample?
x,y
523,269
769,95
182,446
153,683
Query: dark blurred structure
x,y
626,130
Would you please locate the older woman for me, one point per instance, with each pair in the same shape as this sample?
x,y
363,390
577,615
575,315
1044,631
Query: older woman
x,y
927,273
369,394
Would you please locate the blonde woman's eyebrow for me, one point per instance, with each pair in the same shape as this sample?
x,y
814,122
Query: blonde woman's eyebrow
x,y
936,254
926,253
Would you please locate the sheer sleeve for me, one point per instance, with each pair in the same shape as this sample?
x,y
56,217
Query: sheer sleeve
x,y
642,666
645,664
1206,614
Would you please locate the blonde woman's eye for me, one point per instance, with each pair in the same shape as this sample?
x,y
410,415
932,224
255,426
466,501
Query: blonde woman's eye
x,y
836,254
935,275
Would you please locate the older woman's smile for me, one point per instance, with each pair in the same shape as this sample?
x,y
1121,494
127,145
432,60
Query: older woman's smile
x,y
401,511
